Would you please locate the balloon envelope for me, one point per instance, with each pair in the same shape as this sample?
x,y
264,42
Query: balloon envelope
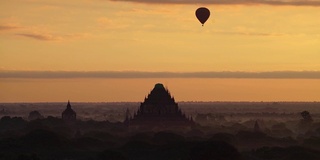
x,y
202,14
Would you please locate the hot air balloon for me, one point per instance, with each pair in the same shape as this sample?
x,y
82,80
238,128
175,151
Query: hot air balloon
x,y
202,14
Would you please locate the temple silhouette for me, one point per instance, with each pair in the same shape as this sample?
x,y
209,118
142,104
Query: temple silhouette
x,y
69,115
158,111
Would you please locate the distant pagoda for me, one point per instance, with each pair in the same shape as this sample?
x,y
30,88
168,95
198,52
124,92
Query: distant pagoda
x,y
159,110
69,115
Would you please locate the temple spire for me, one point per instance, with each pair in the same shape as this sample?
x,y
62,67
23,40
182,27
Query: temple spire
x,y
69,105
69,114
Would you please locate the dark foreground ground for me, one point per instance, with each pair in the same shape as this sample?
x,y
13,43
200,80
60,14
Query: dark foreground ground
x,y
225,131
53,139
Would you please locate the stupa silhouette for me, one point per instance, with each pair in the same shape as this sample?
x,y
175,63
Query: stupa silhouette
x,y
159,110
69,115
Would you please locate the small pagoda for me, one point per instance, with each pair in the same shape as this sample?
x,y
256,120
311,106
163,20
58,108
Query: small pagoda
x,y
159,110
69,115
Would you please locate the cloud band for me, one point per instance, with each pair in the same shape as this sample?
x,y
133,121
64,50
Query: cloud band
x,y
136,74
233,2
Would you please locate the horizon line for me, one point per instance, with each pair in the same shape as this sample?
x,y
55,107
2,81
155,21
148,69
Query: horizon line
x,y
216,101
163,74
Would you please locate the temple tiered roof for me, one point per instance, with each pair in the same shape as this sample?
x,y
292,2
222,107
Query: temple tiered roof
x,y
69,114
159,109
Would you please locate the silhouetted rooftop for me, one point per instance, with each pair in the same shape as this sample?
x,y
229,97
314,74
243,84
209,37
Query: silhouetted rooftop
x,y
159,95
159,109
69,113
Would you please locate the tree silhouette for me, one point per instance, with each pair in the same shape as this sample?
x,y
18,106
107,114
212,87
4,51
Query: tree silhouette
x,y
306,117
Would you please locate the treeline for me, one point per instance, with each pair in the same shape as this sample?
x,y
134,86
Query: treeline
x,y
53,139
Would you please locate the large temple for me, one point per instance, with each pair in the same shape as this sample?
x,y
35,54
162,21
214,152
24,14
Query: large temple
x,y
159,110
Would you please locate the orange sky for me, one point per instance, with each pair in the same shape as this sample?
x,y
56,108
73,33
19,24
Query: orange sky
x,y
134,90
95,35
